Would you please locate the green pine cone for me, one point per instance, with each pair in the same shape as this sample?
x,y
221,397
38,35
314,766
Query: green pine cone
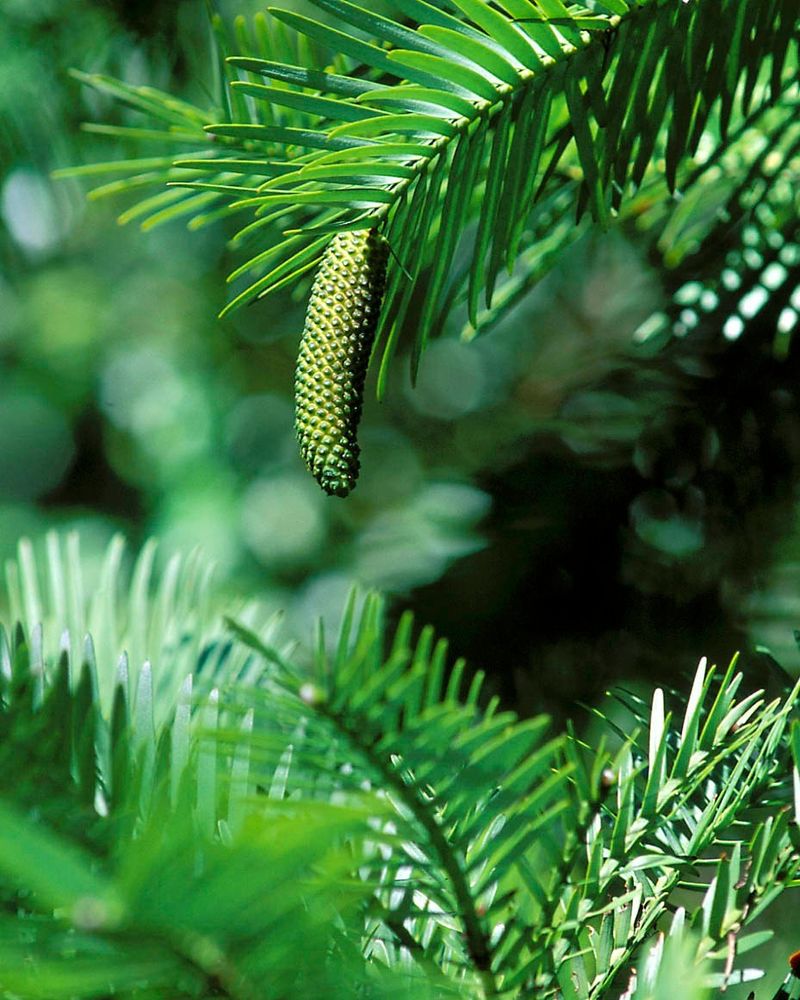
x,y
337,339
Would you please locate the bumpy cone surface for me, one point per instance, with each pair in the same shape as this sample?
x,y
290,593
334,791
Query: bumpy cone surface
x,y
334,352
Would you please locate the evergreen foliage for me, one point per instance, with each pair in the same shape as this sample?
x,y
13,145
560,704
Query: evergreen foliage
x,y
439,121
360,821
739,197
188,807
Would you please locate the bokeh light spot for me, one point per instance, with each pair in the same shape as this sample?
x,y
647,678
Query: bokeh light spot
x,y
283,519
451,381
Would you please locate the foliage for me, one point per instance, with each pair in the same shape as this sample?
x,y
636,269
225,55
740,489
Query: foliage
x,y
212,814
738,195
148,418
451,114
124,406
364,823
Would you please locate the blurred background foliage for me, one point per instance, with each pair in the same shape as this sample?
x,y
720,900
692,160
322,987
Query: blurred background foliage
x,y
610,504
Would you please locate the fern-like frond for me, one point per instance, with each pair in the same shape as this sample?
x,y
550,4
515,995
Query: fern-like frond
x,y
436,120
471,788
525,865
112,671
727,247
124,613
223,168
750,178
366,821
698,792
733,247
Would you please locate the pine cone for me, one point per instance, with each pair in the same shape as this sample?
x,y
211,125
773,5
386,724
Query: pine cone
x,y
334,353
